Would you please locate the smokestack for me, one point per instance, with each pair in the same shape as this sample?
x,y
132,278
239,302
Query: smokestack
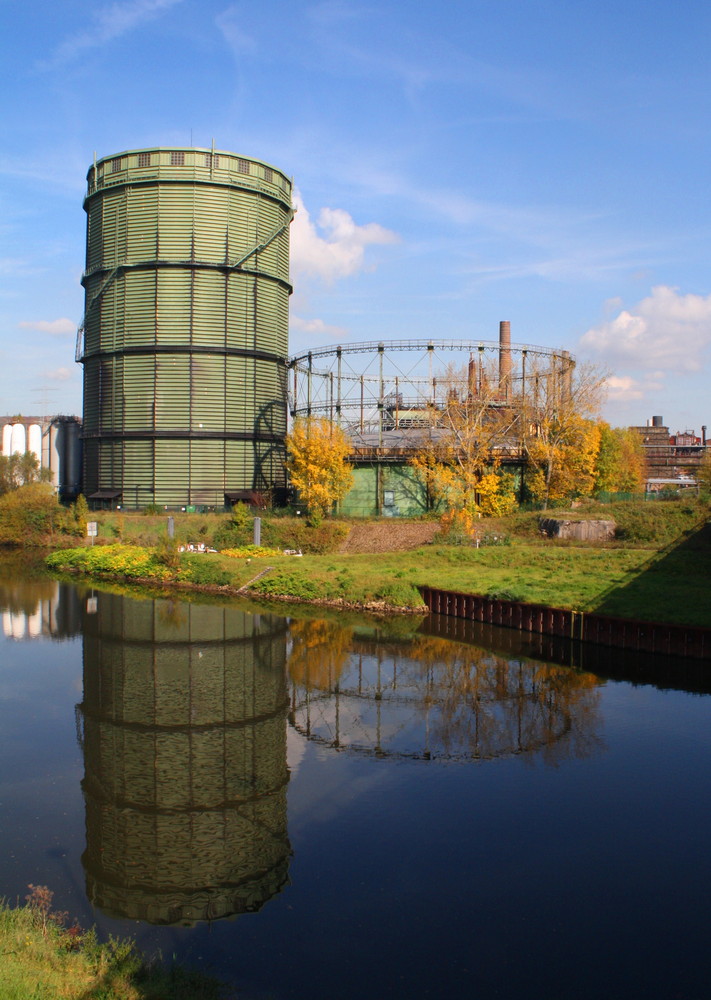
x,y
471,376
504,356
703,435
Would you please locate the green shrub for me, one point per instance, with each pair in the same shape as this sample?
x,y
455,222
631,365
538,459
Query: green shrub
x,y
32,516
399,595
166,552
295,533
251,552
203,571
81,512
231,536
289,585
236,530
242,517
127,561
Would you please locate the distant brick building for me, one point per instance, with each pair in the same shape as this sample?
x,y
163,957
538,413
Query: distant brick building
x,y
671,458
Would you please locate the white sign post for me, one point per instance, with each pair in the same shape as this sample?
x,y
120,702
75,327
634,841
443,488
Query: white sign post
x,y
92,530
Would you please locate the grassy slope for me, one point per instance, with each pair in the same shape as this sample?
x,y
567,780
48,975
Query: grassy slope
x,y
659,572
46,963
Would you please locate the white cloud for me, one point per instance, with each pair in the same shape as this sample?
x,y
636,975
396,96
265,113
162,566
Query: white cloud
x,y
317,327
108,23
334,247
666,331
624,388
59,374
56,327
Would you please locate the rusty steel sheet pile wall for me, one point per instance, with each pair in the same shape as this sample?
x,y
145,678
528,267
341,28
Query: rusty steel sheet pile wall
x,y
652,637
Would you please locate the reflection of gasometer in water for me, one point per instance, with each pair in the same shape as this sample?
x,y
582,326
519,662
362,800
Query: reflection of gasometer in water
x,y
184,742
429,698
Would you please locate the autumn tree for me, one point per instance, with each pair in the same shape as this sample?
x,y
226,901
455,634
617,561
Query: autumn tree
x,y
20,470
317,462
32,515
560,436
703,473
621,465
459,460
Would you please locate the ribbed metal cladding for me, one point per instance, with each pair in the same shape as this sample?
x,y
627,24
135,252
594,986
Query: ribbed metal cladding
x,y
185,334
184,739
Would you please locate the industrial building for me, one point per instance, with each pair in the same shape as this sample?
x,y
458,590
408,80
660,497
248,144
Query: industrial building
x,y
673,460
56,444
390,399
184,344
184,335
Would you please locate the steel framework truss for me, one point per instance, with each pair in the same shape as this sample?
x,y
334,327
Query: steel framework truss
x,y
401,384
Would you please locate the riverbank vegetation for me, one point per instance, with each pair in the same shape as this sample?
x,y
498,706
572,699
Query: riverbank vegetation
x,y
32,516
45,958
656,568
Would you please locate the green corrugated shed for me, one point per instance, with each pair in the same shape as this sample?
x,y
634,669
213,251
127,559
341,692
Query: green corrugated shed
x,y
390,490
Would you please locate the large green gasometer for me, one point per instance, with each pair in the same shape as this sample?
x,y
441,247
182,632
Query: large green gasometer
x,y
184,340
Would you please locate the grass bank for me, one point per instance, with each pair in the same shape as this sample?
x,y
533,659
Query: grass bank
x,y
44,959
656,570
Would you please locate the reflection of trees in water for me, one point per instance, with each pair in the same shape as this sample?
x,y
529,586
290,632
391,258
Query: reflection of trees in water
x,y
185,759
318,652
433,698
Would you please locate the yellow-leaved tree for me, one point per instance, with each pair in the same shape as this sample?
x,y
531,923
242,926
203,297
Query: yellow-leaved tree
x,y
703,473
560,437
562,465
621,465
459,461
317,462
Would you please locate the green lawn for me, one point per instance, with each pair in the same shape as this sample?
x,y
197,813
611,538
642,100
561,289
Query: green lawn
x,y
42,959
667,584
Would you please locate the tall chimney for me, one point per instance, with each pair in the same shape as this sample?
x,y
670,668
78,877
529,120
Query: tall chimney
x,y
504,357
471,376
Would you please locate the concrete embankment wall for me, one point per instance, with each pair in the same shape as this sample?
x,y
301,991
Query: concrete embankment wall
x,y
651,637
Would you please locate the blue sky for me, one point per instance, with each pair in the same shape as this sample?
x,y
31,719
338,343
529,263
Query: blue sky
x,y
541,161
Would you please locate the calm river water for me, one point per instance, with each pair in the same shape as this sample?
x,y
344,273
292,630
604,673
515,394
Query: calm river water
x,y
331,809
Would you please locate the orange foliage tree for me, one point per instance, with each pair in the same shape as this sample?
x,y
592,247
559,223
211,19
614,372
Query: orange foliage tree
x,y
560,437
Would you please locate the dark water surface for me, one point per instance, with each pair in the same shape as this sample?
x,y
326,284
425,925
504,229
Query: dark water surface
x,y
319,809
